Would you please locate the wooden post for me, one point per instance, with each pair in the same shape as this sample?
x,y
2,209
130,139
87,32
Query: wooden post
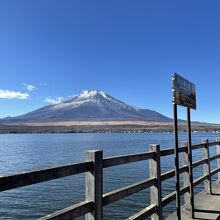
x,y
156,196
186,177
206,168
94,184
218,160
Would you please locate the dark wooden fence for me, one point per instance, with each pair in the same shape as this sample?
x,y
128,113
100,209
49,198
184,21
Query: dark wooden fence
x,y
95,200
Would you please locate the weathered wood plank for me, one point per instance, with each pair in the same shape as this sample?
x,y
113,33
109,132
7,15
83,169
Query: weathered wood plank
x,y
198,146
38,176
144,213
199,162
186,177
183,148
206,168
172,196
155,190
171,173
168,199
71,212
215,171
167,175
213,143
123,192
94,184
183,169
170,151
199,180
184,190
124,159
167,152
214,157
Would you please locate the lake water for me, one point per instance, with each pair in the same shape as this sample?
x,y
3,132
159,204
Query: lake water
x,y
21,152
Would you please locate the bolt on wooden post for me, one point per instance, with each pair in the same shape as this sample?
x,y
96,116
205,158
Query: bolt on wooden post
x,y
206,167
94,184
155,172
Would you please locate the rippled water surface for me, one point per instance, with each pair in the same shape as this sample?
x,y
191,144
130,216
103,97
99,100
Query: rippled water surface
x,y
21,152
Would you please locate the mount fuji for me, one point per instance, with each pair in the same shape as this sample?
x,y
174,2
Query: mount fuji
x,y
92,105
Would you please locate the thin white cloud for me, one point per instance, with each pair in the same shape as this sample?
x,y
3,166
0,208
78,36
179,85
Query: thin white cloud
x,y
54,100
30,87
8,94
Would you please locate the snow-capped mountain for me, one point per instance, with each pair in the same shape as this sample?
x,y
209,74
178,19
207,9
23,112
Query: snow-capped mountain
x,y
90,105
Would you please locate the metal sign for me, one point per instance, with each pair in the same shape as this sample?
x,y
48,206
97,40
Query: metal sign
x,y
184,92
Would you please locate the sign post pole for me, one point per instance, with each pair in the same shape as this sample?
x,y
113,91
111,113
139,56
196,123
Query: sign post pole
x,y
184,94
190,162
178,205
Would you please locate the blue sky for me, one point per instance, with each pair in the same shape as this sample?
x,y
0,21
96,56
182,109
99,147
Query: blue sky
x,y
126,48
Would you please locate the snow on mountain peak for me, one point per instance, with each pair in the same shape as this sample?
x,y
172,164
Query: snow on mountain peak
x,y
84,97
91,93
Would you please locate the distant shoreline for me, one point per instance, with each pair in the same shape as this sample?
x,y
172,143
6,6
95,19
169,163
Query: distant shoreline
x,y
105,127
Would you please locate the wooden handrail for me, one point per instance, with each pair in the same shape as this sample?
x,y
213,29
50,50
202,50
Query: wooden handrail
x,y
119,160
167,152
144,213
71,212
126,191
199,163
32,177
171,173
214,157
93,167
199,180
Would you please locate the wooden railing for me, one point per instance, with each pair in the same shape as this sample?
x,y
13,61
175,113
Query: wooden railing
x,y
95,200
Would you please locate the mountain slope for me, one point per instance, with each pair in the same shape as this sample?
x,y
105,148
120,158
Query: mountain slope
x,y
89,106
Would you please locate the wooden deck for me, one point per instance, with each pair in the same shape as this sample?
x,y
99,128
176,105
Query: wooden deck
x,y
207,206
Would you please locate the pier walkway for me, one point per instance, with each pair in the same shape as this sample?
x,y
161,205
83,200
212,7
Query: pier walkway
x,y
207,206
